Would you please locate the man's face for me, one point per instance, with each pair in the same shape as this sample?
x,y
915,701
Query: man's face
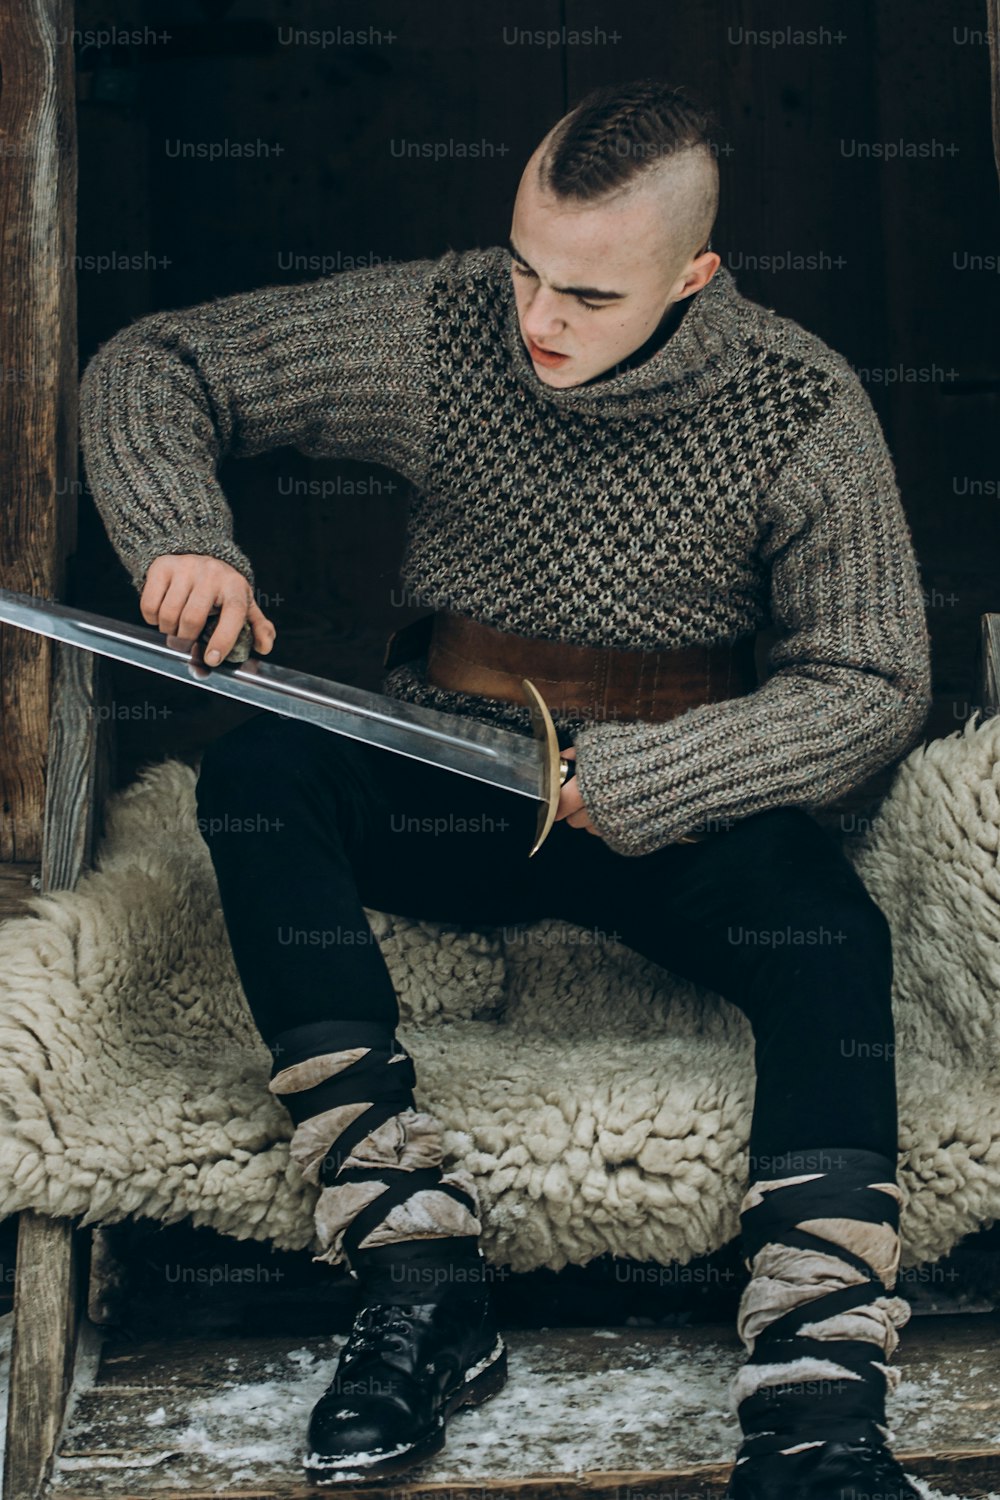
x,y
566,253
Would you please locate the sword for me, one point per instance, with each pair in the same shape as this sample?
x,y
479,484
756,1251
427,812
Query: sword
x,y
530,766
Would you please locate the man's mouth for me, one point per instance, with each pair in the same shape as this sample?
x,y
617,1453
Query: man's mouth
x,y
545,356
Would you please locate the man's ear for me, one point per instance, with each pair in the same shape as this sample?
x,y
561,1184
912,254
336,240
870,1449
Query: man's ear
x,y
697,273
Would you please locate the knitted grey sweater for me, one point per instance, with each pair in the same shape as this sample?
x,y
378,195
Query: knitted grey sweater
x,y
737,478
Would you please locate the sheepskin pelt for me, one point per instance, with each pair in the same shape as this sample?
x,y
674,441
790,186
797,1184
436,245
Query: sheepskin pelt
x,y
601,1103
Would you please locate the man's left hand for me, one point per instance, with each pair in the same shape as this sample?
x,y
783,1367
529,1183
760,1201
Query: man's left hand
x,y
571,803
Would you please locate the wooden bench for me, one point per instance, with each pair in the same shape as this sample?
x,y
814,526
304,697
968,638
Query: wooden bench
x,y
58,1275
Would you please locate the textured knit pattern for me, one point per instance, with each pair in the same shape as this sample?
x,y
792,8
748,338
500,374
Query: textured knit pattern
x,y
736,479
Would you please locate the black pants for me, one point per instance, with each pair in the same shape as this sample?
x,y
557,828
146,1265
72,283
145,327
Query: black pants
x,y
305,828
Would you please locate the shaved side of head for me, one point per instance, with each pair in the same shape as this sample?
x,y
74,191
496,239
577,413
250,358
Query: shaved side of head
x,y
640,138
687,185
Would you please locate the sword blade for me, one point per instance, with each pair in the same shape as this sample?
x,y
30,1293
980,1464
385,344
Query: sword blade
x,y
452,742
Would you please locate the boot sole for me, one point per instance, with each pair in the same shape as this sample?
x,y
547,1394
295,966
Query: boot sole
x,y
479,1383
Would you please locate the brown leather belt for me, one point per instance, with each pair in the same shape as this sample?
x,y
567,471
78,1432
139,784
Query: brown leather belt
x,y
588,682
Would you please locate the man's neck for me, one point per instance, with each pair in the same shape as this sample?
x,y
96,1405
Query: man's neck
x,y
667,325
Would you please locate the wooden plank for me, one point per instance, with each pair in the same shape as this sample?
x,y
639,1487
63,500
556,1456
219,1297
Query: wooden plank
x,y
525,1441
989,663
38,460
56,755
38,388
977,1483
49,1288
18,881
80,765
47,1293
973,1475
38,451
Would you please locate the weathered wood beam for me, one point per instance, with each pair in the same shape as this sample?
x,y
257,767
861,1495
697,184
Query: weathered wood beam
x,y
48,1296
969,1472
16,885
80,766
38,366
989,663
52,784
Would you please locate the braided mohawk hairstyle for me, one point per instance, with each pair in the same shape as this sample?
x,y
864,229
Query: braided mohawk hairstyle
x,y
620,132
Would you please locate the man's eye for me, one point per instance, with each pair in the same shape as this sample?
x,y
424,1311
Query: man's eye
x,y
523,271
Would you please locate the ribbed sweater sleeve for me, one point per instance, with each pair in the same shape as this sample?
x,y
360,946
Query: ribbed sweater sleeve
x,y
850,683
335,367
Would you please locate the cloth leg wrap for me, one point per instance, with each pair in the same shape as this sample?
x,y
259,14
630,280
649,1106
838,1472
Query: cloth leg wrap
x,y
823,1252
405,1227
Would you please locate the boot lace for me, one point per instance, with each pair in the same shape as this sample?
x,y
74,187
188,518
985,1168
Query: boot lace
x,y
377,1327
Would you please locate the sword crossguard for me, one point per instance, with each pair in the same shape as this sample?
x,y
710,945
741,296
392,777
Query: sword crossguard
x,y
555,769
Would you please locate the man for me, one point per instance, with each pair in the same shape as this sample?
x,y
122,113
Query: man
x,y
623,470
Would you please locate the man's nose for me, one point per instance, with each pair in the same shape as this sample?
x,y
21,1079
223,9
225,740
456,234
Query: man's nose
x,y
542,315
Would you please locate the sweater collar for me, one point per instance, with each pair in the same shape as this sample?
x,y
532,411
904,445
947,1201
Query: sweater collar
x,y
683,370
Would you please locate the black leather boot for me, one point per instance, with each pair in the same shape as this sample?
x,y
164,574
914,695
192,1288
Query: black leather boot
x,y
406,1366
829,1471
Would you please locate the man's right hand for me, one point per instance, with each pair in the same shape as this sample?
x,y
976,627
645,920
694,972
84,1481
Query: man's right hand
x,y
182,589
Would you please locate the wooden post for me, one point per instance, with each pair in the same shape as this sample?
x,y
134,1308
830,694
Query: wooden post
x,y
53,782
989,663
38,432
48,1297
52,1254
80,769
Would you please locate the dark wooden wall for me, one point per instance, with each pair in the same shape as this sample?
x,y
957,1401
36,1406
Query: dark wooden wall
x,y
896,240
